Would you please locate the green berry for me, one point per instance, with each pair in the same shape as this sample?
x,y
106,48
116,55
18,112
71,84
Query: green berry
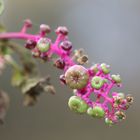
x,y
116,78
77,105
77,77
105,68
105,80
108,121
97,112
94,68
43,45
118,99
97,82
121,95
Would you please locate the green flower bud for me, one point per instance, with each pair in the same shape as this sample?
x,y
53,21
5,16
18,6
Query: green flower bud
x,y
77,105
108,121
43,45
105,68
97,112
116,78
118,99
97,82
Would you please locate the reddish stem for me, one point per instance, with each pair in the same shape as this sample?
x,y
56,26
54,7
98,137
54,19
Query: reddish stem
x,y
14,35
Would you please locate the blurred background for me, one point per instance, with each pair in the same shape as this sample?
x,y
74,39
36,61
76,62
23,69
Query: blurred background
x,y
109,31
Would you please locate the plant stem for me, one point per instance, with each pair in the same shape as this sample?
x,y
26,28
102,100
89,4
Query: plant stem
x,y
14,35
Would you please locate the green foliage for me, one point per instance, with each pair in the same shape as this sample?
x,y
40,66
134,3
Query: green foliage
x,y
1,6
17,78
2,28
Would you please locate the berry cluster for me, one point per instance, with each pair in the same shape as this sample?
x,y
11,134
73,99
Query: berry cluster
x,y
85,82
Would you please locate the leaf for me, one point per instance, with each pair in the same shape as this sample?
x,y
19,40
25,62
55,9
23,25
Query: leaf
x,y
29,100
1,6
2,28
49,89
17,78
31,90
4,49
33,87
2,64
30,86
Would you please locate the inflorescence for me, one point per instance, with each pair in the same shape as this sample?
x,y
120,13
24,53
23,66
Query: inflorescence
x,y
86,82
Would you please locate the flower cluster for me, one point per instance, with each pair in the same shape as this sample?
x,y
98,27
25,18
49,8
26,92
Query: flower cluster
x,y
85,82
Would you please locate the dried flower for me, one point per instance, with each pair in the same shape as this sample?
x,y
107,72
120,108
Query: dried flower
x,y
129,99
120,115
82,60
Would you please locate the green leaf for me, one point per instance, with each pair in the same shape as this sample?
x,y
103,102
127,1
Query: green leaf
x,y
1,6
4,49
2,28
17,78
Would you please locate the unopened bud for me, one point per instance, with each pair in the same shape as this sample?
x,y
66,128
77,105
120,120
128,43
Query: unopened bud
x,y
62,79
62,30
66,45
59,63
45,28
35,53
30,44
116,79
28,23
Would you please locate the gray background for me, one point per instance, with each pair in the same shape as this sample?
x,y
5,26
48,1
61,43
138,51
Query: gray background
x,y
109,31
